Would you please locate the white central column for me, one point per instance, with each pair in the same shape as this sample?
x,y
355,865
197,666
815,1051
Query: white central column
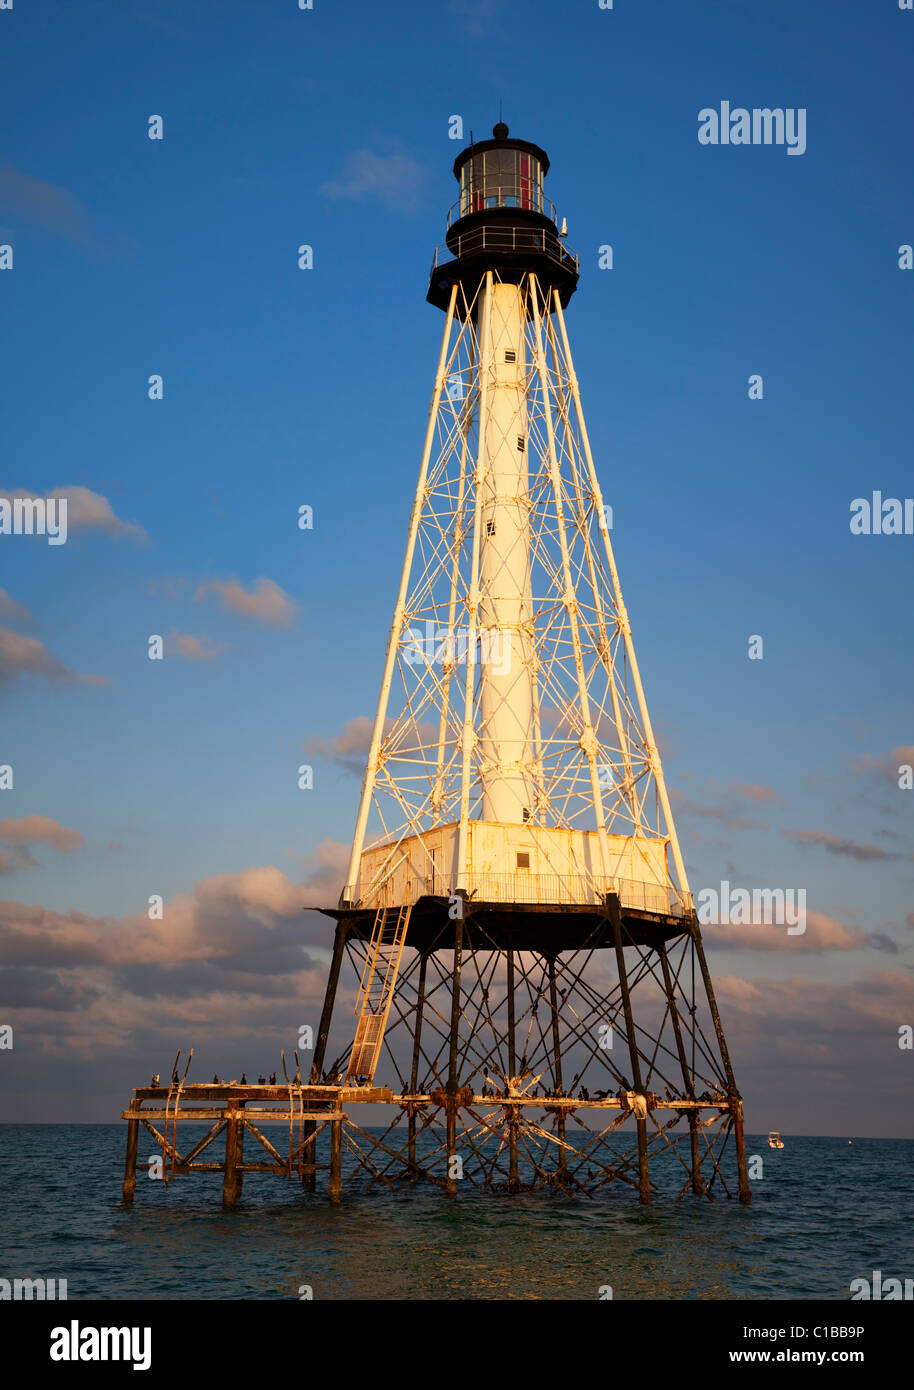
x,y
506,608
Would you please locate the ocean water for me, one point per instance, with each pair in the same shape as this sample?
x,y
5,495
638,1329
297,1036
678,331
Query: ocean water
x,y
825,1213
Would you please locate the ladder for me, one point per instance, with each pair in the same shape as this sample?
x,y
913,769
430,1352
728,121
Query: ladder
x,y
376,989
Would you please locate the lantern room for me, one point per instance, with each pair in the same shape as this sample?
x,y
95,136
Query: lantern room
x,y
501,173
501,221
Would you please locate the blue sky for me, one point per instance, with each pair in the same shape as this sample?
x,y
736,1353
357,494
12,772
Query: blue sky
x,y
285,387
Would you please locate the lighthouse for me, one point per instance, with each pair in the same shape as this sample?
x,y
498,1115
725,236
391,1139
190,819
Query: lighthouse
x,y
518,973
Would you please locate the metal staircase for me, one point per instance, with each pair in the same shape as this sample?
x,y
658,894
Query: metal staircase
x,y
379,976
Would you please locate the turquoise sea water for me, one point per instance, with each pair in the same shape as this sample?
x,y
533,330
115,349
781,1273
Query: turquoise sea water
x,y
825,1213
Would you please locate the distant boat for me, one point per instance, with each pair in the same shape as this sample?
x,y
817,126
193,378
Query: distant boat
x,y
774,1140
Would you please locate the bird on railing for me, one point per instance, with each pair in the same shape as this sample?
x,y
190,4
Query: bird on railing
x,y
261,1080
154,1081
215,1079
272,1078
244,1079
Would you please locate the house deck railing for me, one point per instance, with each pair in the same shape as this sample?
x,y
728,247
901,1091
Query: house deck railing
x,y
578,890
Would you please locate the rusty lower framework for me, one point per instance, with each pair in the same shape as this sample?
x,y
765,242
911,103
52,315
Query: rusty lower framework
x,y
235,1110
512,1067
506,1143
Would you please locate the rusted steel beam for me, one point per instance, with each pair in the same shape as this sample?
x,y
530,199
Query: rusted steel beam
x,y
557,1068
246,1121
340,938
417,1053
335,1187
614,913
195,1091
230,1176
239,1151
451,1110
133,1137
161,1140
550,1102
511,1115
211,1113
185,1169
308,1153
204,1142
698,1185
745,1191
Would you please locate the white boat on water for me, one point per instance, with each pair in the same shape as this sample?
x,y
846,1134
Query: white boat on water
x,y
774,1140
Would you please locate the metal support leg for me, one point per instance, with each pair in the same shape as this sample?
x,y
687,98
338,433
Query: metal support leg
x,y
133,1138
557,1068
230,1174
513,1177
414,1070
745,1191
309,1143
336,1162
614,912
451,1183
239,1152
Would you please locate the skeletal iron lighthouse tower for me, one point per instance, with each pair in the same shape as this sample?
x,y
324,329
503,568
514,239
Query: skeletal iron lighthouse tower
x,y
530,995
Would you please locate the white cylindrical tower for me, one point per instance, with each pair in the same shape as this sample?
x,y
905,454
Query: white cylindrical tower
x,y
506,646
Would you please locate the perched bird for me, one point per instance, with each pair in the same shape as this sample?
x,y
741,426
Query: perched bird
x,y
244,1080
585,1094
261,1081
272,1078
667,1094
215,1079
